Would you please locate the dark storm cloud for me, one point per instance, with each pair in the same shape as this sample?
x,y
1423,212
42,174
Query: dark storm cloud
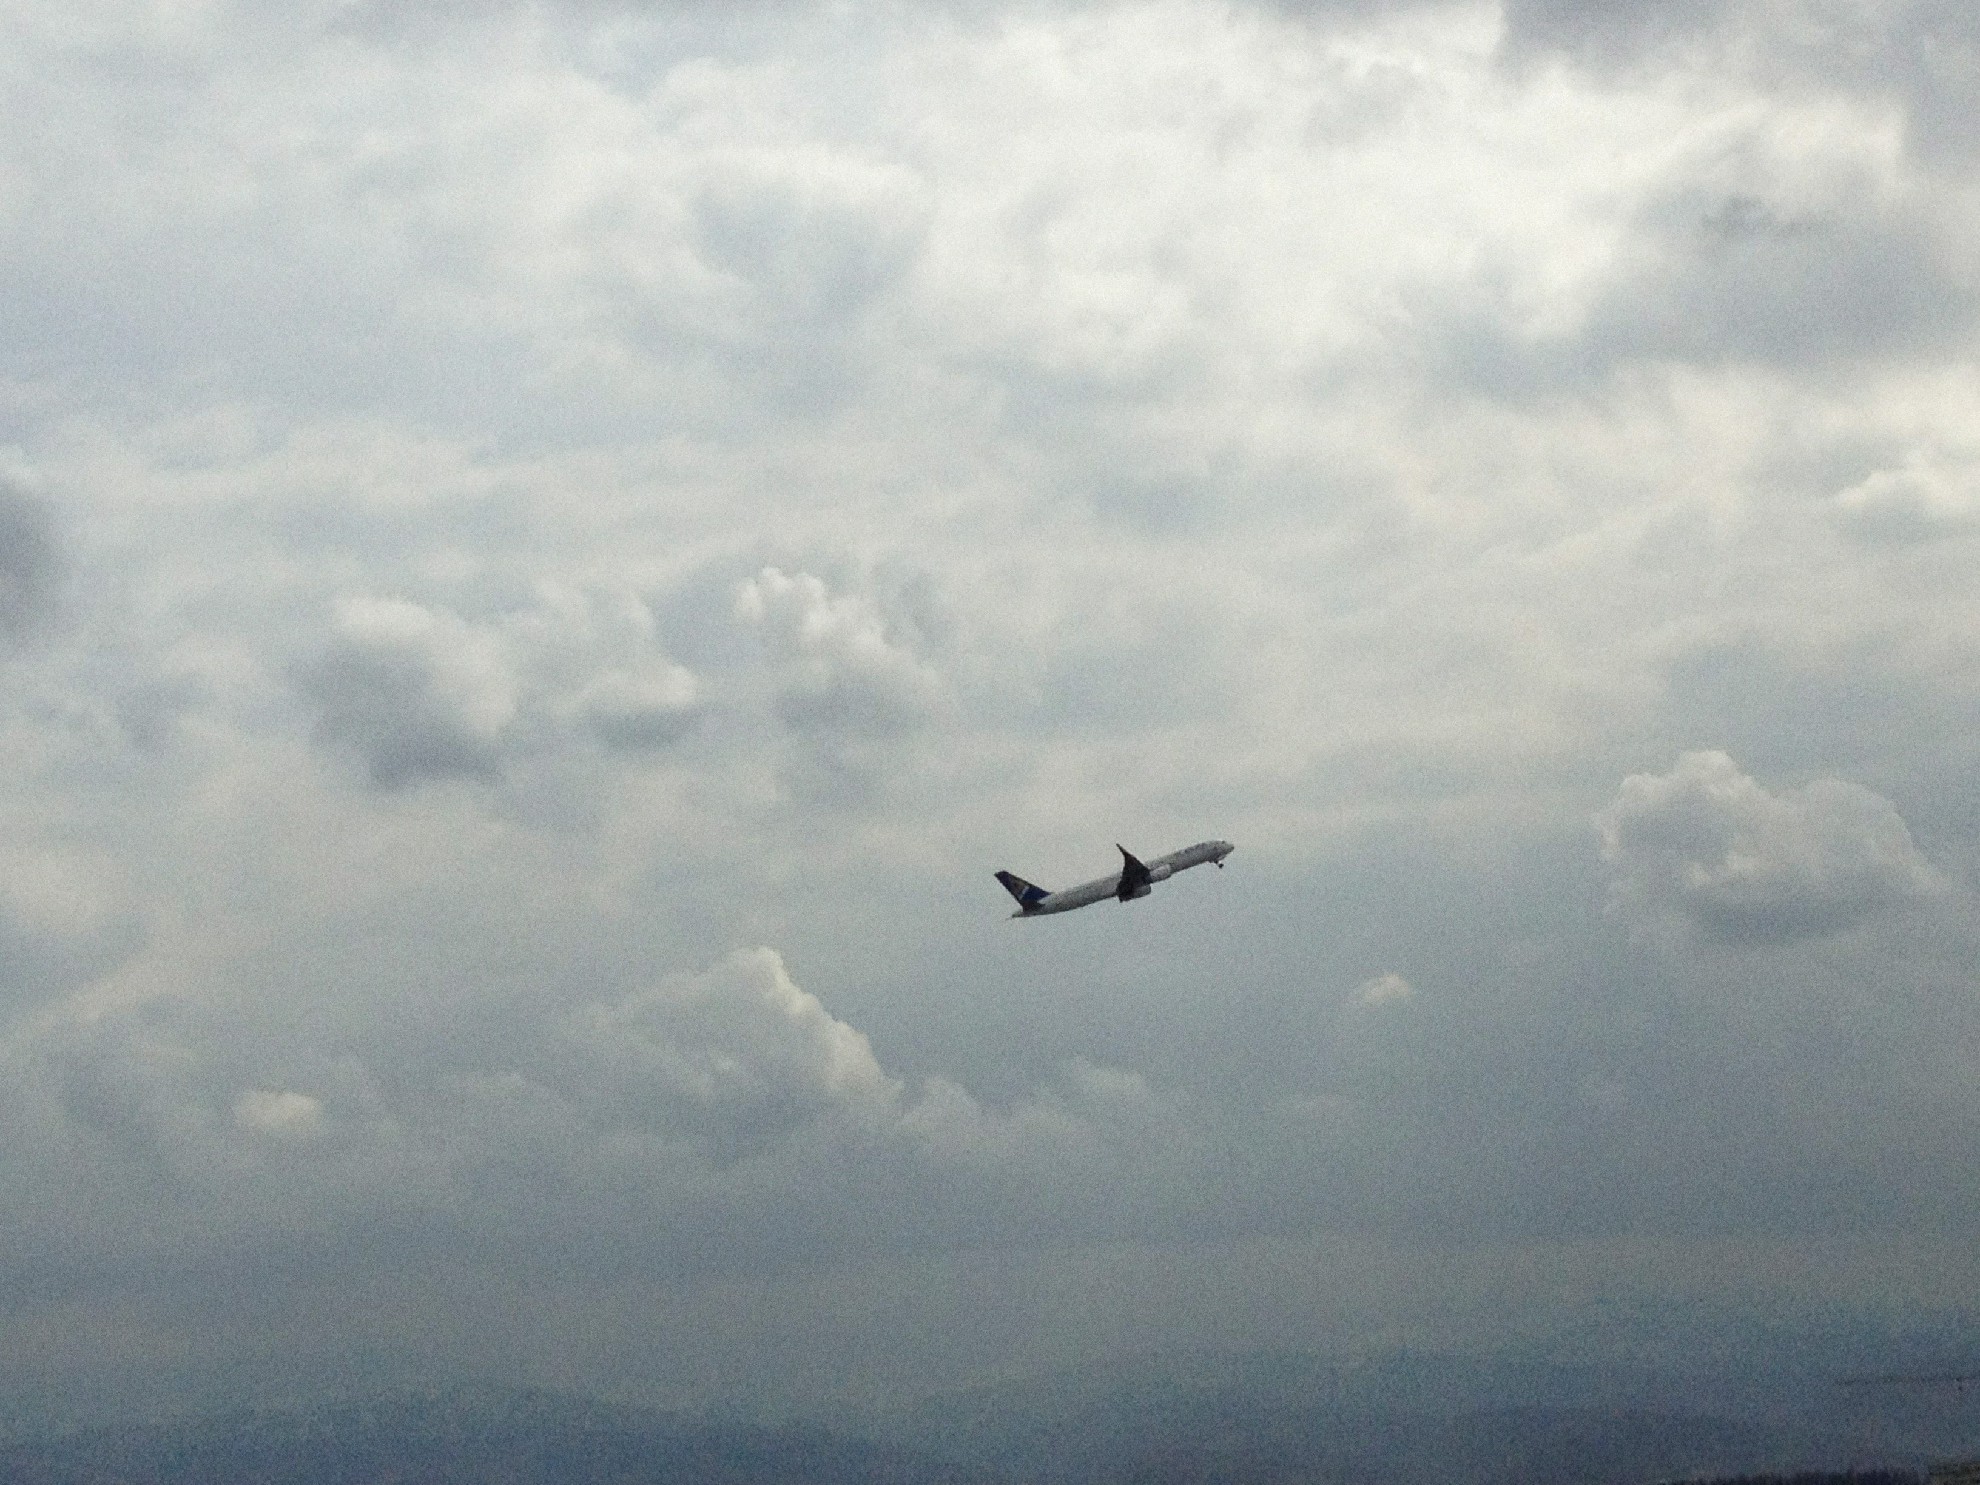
x,y
1922,55
632,716
30,562
1933,60
415,695
1330,11
1610,32
1711,279
814,257
149,710
716,1118
1736,278
56,935
136,1097
1800,708
1707,848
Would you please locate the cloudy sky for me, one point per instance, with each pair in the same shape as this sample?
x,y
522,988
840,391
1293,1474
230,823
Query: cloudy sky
x,y
548,550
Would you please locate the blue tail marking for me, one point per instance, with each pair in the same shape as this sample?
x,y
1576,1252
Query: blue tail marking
x,y
1028,896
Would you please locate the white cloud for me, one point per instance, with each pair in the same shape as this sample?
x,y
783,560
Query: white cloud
x,y
1384,989
1708,848
279,1115
854,696
839,672
735,1057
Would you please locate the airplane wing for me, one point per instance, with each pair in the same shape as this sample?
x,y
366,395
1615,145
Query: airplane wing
x,y
1135,880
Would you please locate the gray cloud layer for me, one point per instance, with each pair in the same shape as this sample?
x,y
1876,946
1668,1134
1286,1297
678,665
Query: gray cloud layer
x,y
29,564
555,499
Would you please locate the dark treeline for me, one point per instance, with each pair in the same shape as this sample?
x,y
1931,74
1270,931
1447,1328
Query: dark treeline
x,y
531,1439
1225,1439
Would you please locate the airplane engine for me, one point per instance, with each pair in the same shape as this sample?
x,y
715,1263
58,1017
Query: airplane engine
x,y
1160,873
1139,889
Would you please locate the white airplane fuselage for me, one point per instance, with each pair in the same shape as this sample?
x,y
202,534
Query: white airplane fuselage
x,y
1134,880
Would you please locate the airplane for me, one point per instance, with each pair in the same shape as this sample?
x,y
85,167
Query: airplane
x,y
1135,879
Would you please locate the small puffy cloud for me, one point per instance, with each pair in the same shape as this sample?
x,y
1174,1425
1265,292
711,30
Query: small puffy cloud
x,y
1384,989
30,565
415,693
279,1115
1707,848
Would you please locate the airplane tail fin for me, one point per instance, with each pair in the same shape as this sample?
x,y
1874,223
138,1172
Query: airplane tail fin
x,y
1027,895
